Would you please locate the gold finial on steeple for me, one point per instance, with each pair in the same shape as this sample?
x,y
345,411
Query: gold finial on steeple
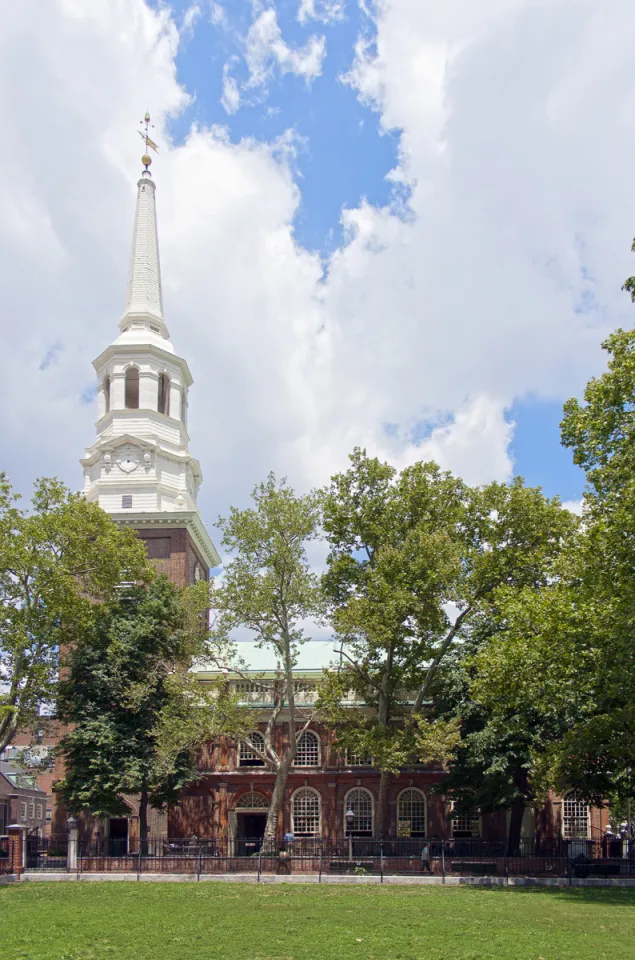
x,y
146,160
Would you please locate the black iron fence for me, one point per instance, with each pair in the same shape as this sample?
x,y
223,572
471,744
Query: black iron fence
x,y
47,853
360,856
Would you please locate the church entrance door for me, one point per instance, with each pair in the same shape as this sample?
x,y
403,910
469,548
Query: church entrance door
x,y
250,829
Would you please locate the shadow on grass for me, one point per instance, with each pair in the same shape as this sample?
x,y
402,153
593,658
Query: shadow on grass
x,y
607,896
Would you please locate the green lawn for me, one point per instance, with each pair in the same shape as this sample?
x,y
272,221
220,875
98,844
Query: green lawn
x,y
162,921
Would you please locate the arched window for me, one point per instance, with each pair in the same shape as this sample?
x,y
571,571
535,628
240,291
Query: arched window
x,y
246,757
106,386
576,822
360,801
306,813
163,403
308,750
411,813
132,388
252,801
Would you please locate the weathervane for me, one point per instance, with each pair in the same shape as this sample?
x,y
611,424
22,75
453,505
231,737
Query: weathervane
x,y
146,159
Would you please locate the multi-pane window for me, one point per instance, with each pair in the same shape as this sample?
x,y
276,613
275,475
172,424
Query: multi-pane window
x,y
39,811
308,750
23,811
252,801
575,817
360,801
305,813
411,813
357,759
31,810
466,825
246,756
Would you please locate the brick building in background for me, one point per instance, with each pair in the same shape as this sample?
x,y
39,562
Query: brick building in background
x,y
140,471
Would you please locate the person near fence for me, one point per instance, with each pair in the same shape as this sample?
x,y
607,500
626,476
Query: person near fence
x,y
425,858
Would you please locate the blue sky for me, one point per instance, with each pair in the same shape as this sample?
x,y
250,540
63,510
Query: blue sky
x,y
343,157
400,225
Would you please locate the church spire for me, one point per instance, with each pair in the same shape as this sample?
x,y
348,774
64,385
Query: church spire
x,y
144,299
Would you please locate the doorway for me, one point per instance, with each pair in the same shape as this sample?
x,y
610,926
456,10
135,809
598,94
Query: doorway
x,y
250,829
118,837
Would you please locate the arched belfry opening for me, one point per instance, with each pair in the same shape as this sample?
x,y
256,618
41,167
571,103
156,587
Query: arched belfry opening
x,y
132,388
163,400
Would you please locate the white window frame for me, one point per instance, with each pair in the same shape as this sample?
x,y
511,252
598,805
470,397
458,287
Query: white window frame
x,y
401,819
348,805
463,824
23,810
245,754
294,826
260,805
355,760
309,735
571,797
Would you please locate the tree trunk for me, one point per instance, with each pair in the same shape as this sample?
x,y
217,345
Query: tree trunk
x,y
277,797
515,825
143,823
382,820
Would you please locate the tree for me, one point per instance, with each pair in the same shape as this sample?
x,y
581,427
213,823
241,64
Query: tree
x,y
577,643
136,716
269,589
59,560
416,558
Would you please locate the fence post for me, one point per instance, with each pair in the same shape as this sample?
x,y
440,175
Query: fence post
x,y
17,849
200,857
443,861
139,862
321,853
381,861
73,842
259,863
506,869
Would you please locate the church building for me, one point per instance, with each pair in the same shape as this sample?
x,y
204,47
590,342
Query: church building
x,y
140,470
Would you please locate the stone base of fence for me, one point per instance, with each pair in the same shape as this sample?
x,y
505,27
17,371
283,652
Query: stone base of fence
x,y
312,878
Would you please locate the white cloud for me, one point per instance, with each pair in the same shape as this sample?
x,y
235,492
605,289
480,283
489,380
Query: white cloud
x,y
266,52
326,11
575,506
514,122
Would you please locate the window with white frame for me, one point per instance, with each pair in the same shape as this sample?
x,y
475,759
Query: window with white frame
x,y
360,801
39,811
246,756
465,824
357,759
411,813
305,813
576,822
252,801
131,388
23,810
308,750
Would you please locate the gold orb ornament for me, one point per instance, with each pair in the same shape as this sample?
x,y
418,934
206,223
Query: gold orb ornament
x,y
146,160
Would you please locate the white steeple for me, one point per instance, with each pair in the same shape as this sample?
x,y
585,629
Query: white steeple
x,y
140,469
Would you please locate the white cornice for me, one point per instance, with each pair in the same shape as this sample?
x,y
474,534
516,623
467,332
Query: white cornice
x,y
190,519
138,350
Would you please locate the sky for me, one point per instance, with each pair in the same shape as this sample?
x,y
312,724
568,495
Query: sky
x,y
400,224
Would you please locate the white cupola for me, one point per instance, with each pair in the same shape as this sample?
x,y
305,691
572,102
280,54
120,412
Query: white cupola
x,y
139,469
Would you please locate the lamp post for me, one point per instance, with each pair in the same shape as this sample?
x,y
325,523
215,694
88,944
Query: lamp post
x,y
350,816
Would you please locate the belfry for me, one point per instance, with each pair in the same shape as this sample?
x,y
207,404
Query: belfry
x,y
139,469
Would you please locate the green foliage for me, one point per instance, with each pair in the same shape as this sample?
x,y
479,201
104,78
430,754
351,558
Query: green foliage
x,y
135,715
59,560
268,588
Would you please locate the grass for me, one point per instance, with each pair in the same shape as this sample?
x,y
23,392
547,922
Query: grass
x,y
108,921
